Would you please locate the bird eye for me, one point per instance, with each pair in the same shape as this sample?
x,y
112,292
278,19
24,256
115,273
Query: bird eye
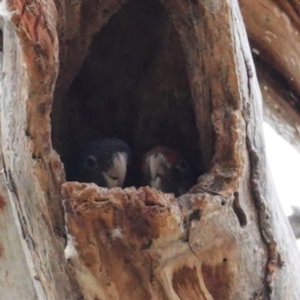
x,y
91,161
182,165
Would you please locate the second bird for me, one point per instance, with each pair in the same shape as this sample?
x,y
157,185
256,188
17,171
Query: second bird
x,y
166,170
103,162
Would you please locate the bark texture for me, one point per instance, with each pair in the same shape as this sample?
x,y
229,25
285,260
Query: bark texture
x,y
273,30
295,221
173,72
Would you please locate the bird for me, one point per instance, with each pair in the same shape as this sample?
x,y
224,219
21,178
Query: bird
x,y
166,170
103,162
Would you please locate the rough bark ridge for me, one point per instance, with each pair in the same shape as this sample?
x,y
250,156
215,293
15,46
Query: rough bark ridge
x,y
33,171
226,239
273,30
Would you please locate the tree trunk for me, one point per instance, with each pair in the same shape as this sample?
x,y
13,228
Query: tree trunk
x,y
73,71
273,28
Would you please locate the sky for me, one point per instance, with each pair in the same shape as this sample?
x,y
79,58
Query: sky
x,y
284,162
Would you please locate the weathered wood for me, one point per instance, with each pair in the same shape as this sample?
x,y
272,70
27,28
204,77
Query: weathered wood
x,y
295,221
16,281
164,248
226,239
30,69
273,29
236,182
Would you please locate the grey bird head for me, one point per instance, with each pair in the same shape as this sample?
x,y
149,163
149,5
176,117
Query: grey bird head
x,y
103,162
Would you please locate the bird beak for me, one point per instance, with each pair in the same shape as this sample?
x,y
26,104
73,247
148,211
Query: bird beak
x,y
115,175
157,165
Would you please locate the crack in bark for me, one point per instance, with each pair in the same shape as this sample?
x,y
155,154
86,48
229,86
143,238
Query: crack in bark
x,y
259,200
239,212
22,221
194,253
273,260
188,237
263,217
8,178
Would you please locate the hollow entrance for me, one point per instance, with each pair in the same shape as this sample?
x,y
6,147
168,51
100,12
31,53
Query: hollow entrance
x,y
132,85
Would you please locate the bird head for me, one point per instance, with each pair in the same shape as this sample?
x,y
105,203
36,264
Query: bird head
x,y
166,170
103,162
